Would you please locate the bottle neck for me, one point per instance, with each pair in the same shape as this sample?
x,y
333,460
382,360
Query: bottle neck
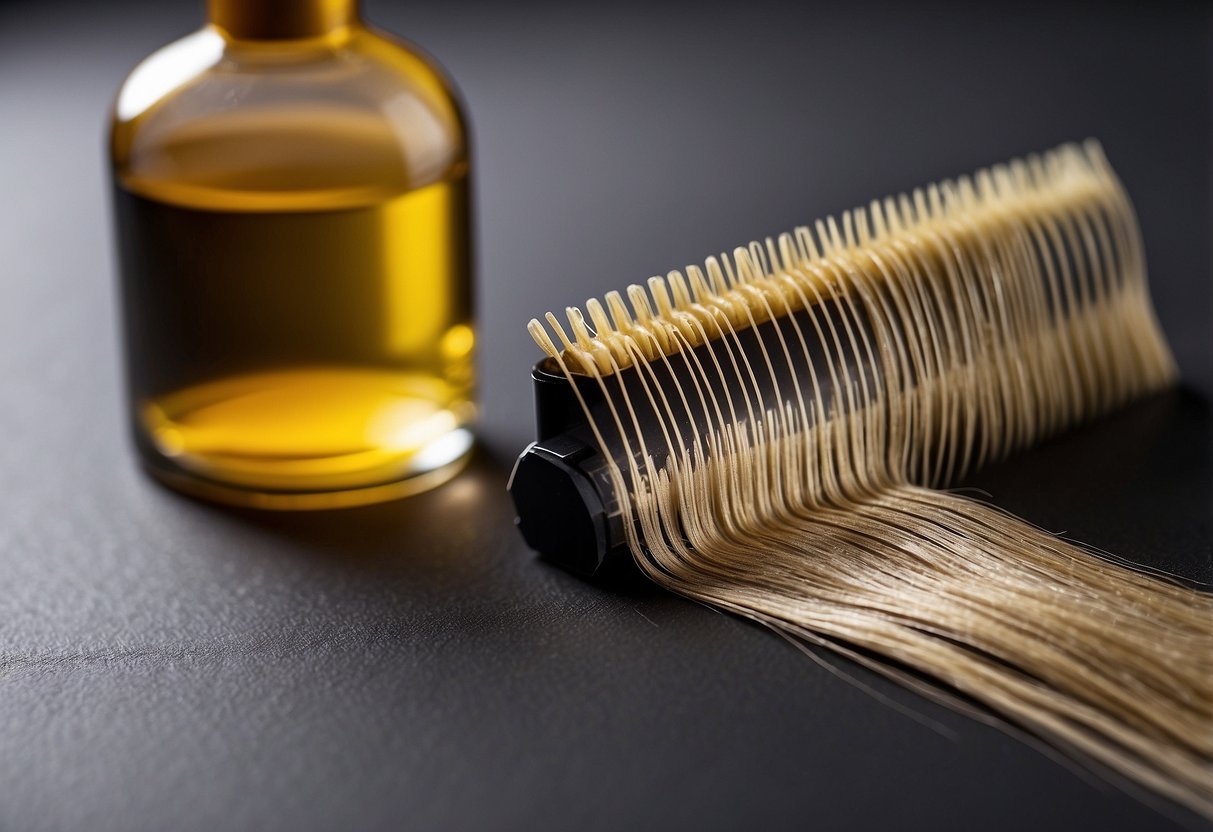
x,y
282,19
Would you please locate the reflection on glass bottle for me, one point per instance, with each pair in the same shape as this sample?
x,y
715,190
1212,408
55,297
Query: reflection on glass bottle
x,y
292,215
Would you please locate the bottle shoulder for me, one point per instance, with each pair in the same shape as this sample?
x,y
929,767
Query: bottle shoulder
x,y
206,120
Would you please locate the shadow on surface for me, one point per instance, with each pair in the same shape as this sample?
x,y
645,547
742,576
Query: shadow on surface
x,y
473,508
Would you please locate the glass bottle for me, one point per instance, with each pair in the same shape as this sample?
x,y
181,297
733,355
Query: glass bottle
x,y
292,222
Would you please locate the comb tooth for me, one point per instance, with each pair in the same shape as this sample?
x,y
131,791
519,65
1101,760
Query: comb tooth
x,y
1022,177
823,238
700,289
1067,164
835,237
985,185
935,202
1031,164
968,196
848,229
878,225
541,337
579,357
920,206
745,266
800,234
946,193
661,332
946,187
678,285
661,296
808,249
715,276
597,350
624,323
787,251
580,331
1048,169
1002,181
1073,160
602,325
1019,172
1053,163
1036,172
773,258
1003,184
554,322
758,260
620,317
655,329
891,215
861,227
640,303
730,273
951,197
1076,160
907,210
681,289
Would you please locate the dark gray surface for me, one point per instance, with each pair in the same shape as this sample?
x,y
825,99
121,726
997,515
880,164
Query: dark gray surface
x,y
169,665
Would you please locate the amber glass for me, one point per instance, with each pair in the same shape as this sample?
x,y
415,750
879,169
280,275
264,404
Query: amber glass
x,y
292,219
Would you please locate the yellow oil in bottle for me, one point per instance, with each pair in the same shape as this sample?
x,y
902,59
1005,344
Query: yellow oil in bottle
x,y
296,303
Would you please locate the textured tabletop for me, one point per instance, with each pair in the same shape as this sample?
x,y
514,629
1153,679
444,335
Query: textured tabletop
x,y
166,664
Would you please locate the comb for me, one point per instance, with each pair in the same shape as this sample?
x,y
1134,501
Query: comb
x,y
767,433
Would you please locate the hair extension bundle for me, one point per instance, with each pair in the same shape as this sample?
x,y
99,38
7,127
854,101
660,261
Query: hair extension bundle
x,y
765,434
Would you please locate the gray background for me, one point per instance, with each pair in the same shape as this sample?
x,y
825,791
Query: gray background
x,y
167,664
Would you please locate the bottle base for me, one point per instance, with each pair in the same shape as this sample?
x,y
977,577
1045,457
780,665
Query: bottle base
x,y
306,438
246,497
